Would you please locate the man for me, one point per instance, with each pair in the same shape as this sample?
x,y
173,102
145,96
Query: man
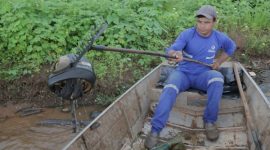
x,y
200,43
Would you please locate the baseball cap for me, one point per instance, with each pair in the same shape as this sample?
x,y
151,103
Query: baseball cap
x,y
207,11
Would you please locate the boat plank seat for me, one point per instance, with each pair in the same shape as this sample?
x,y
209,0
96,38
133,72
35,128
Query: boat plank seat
x,y
201,92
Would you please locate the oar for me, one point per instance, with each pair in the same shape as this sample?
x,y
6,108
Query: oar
x,y
104,48
246,108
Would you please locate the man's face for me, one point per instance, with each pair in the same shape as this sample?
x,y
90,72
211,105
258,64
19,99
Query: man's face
x,y
205,26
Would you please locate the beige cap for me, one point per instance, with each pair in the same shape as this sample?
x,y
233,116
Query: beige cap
x,y
207,11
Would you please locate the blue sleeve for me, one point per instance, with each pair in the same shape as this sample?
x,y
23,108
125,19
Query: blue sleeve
x,y
228,45
179,43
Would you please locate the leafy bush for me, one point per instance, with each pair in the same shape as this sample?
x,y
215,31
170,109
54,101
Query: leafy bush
x,y
38,32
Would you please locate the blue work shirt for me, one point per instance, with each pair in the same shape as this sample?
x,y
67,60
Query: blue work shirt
x,y
200,48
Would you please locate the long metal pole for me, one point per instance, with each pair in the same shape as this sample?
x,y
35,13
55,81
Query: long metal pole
x,y
74,117
147,52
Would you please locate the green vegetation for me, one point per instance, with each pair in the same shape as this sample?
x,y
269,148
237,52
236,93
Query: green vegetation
x,y
37,32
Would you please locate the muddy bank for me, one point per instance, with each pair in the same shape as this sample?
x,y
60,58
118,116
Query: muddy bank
x,y
33,89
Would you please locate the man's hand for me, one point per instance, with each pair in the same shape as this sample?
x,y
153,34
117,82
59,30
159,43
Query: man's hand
x,y
223,57
215,65
177,54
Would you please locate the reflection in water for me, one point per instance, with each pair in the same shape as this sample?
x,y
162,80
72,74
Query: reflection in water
x,y
24,133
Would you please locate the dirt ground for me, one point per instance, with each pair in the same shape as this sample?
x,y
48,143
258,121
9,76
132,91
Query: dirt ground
x,y
33,89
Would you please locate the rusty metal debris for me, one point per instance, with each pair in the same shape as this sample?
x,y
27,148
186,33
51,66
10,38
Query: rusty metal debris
x,y
27,111
94,125
62,122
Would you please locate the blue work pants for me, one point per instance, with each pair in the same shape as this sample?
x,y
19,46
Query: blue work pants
x,y
210,81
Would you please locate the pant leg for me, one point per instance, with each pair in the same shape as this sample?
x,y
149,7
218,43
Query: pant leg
x,y
211,81
176,83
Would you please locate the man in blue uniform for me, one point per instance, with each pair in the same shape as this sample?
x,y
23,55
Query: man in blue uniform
x,y
200,43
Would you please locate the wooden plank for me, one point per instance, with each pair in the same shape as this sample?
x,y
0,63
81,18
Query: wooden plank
x,y
247,111
184,97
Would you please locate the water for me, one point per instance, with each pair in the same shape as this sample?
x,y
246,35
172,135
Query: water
x,y
23,132
263,80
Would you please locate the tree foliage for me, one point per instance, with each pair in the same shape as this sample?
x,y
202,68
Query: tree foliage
x,y
37,32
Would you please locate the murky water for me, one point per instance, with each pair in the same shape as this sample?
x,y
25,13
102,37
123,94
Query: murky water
x,y
263,80
263,76
23,132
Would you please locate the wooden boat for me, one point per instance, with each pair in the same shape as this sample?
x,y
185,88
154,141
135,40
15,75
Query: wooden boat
x,y
125,122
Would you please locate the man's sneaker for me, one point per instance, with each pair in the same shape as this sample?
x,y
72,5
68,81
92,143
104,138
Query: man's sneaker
x,y
151,140
211,131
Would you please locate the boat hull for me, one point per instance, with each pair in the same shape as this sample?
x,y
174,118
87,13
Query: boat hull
x,y
124,124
